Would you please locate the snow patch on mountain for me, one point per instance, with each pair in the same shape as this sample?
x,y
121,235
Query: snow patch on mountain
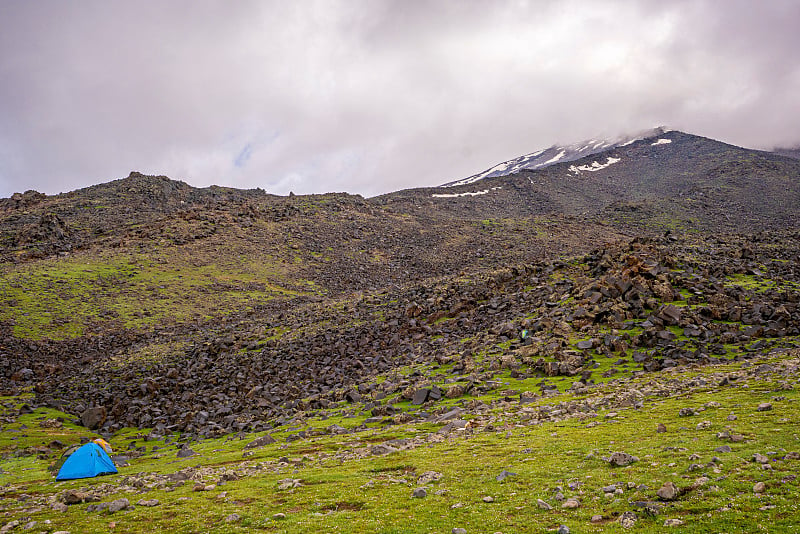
x,y
595,166
558,154
468,194
661,142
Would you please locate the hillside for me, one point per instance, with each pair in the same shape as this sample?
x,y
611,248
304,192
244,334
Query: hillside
x,y
671,181
452,329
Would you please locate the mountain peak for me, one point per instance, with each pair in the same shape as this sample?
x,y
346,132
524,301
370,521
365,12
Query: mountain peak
x,y
563,154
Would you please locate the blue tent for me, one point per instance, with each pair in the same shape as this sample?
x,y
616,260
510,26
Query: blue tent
x,y
89,460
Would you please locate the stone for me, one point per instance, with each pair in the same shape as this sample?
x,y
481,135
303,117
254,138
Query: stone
x,y
759,487
279,516
563,529
289,483
459,531
571,503
118,505
60,507
621,459
670,314
232,518
93,418
585,344
674,522
185,452
428,476
764,407
260,442
686,412
382,449
11,525
543,505
760,458
597,518
661,428
723,449
419,493
148,502
503,475
73,497
488,498
420,396
667,492
627,519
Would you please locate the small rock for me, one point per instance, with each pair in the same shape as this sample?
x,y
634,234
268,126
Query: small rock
x,y
563,529
148,502
232,518
760,458
185,452
11,525
60,507
723,449
428,476
419,493
504,474
382,449
667,492
764,407
278,516
260,442
759,487
488,499
627,519
703,425
597,518
571,503
621,459
118,505
459,531
686,412
543,505
673,522
661,428
289,483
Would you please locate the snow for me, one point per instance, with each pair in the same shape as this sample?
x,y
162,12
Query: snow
x,y
468,194
595,166
534,154
661,141
563,154
555,158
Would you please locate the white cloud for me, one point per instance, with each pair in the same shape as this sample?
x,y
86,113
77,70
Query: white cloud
x,y
377,96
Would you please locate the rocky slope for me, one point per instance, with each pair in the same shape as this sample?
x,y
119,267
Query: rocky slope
x,y
147,302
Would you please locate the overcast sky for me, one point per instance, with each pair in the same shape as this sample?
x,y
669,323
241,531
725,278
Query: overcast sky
x,y
373,96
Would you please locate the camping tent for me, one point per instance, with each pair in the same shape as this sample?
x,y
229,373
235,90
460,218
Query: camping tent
x,y
89,460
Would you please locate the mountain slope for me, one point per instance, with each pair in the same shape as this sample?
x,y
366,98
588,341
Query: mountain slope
x,y
674,181
558,154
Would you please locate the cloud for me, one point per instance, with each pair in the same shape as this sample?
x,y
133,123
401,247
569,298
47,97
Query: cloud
x,y
372,97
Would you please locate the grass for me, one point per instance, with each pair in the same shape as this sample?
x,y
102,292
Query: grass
x,y
65,298
345,489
